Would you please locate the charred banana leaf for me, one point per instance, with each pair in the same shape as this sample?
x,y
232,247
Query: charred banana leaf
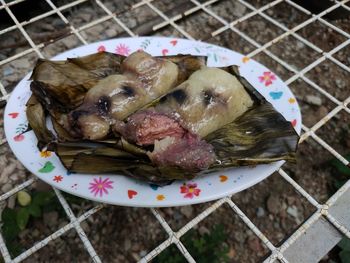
x,y
94,158
37,121
187,65
261,135
101,64
61,85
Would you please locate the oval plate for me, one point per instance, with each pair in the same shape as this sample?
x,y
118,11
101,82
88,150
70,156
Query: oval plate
x,y
121,190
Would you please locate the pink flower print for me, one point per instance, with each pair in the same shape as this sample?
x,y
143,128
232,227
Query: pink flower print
x,y
99,187
190,190
122,49
101,48
267,77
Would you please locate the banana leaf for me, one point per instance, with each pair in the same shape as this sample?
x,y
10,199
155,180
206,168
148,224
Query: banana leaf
x,y
260,136
97,158
61,85
37,122
101,64
187,65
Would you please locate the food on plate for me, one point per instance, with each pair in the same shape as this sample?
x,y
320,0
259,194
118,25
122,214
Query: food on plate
x,y
154,118
142,79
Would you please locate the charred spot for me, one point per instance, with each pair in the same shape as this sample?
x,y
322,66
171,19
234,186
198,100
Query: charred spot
x,y
103,105
208,97
163,99
77,113
179,95
211,97
128,91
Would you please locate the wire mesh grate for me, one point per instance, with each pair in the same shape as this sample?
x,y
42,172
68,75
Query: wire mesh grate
x,y
172,21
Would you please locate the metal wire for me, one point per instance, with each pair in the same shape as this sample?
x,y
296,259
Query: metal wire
x,y
323,210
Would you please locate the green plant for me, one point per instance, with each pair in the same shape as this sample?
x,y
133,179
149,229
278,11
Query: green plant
x,y
208,248
344,254
342,172
15,220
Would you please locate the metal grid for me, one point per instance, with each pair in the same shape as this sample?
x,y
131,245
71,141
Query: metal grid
x,y
322,210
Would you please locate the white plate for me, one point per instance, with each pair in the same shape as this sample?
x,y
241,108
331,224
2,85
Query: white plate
x,y
121,190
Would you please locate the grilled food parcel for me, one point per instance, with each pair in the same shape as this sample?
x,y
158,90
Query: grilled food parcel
x,y
153,118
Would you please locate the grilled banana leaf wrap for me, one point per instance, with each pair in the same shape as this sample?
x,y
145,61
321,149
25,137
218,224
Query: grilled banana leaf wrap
x,y
154,118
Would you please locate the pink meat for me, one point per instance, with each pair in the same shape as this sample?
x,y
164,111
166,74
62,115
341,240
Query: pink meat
x,y
184,150
188,152
145,127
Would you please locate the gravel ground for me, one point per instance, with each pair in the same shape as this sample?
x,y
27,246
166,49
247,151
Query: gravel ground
x,y
273,205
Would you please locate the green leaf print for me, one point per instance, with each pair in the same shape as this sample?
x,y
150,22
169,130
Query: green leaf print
x,y
47,168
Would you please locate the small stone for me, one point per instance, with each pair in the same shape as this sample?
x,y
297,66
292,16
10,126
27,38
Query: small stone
x,y
11,202
35,233
85,226
21,63
24,198
14,177
58,23
6,187
293,211
273,204
143,253
127,244
70,41
7,71
246,49
239,9
71,234
39,226
212,21
314,100
348,142
169,211
260,212
255,245
300,45
321,112
341,84
186,210
177,215
270,12
290,200
41,186
284,206
85,16
23,234
132,23
203,230
135,256
231,253
47,27
111,32
50,218
7,171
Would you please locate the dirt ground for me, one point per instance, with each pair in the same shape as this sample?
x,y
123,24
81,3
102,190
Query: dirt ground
x,y
121,234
